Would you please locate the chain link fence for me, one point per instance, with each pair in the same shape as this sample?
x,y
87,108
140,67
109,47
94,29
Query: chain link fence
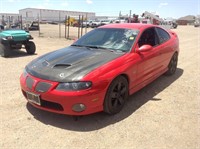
x,y
69,28
62,27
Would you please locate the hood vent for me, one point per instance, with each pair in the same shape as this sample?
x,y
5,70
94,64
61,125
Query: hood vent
x,y
61,66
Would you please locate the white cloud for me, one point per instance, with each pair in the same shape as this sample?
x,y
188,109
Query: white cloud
x,y
162,4
89,1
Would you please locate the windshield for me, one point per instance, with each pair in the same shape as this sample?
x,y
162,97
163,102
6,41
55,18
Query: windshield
x,y
109,38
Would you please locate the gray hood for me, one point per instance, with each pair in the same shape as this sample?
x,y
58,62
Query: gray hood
x,y
69,64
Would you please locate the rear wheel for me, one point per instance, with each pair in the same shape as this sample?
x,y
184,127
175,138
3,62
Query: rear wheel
x,y
30,47
4,50
116,95
172,65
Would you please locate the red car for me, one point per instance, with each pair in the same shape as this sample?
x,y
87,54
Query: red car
x,y
100,70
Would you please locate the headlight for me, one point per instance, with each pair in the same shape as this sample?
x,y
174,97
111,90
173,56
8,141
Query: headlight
x,y
29,37
74,86
9,37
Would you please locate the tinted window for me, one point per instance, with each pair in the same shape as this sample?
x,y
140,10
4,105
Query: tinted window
x,y
110,38
148,37
162,35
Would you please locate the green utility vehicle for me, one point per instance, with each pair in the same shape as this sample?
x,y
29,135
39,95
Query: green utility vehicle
x,y
14,40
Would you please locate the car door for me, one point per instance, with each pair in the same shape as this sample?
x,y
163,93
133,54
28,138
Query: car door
x,y
165,47
148,64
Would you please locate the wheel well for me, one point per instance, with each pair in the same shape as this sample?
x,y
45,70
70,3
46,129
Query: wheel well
x,y
176,52
126,77
123,75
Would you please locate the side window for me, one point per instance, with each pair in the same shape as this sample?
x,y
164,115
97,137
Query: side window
x,y
148,37
162,35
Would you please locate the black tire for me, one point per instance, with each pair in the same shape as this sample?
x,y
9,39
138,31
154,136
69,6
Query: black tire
x,y
174,26
172,65
30,47
116,95
4,50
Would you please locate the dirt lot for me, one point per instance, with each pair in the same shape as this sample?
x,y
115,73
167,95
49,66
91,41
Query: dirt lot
x,y
165,114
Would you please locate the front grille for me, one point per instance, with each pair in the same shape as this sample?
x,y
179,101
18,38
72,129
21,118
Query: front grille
x,y
51,105
29,82
47,104
43,87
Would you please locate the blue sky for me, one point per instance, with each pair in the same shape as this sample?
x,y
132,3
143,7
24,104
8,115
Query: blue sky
x,y
164,8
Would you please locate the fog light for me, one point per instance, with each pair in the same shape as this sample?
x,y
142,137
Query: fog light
x,y
78,107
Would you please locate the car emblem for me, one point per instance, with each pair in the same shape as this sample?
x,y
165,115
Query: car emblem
x,y
62,75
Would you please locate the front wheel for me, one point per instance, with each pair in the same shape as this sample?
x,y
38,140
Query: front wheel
x,y
116,95
30,47
4,50
172,65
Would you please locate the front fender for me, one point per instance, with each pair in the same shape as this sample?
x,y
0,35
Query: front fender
x,y
125,65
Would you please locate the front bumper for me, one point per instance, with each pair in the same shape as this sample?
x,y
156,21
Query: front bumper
x,y
14,41
63,102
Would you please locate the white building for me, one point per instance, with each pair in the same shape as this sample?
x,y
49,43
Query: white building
x,y
9,18
31,14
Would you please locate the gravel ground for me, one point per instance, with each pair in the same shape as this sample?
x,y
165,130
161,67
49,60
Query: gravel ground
x,y
165,114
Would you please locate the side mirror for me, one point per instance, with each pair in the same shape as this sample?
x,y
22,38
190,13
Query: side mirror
x,y
145,48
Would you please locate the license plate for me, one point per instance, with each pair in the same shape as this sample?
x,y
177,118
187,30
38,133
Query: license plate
x,y
34,98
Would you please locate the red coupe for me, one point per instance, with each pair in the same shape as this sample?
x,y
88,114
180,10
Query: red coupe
x,y
100,70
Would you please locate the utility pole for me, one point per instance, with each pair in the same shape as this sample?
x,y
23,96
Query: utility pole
x,y
39,24
130,17
81,26
120,14
65,26
3,21
79,18
86,24
59,26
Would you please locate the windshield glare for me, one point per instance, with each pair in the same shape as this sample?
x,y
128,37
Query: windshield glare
x,y
109,38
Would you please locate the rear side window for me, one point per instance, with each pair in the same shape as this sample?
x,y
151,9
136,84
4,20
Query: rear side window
x,y
163,36
148,37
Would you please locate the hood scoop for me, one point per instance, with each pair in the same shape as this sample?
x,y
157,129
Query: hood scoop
x,y
61,66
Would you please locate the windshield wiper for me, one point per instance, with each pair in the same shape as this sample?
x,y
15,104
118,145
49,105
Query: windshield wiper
x,y
88,47
99,47
77,45
93,47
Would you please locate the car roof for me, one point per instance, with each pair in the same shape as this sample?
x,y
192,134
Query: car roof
x,y
138,26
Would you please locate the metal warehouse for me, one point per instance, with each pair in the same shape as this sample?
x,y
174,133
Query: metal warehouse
x,y
52,15
8,17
